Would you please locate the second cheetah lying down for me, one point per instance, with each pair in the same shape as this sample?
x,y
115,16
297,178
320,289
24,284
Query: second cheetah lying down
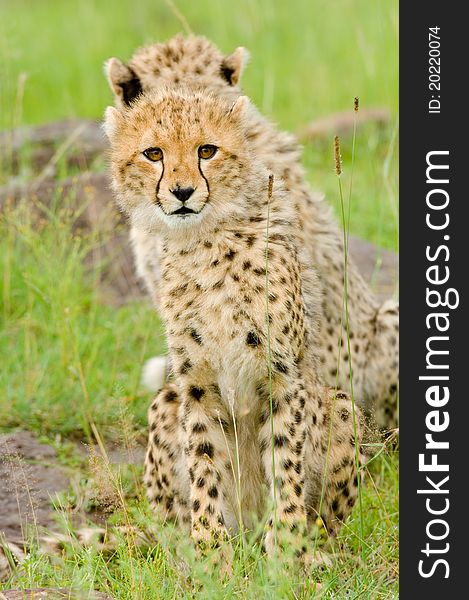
x,y
239,304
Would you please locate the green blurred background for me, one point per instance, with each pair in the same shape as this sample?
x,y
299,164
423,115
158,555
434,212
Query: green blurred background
x,y
309,57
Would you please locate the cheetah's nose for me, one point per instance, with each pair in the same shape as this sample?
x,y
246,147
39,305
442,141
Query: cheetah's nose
x,y
182,194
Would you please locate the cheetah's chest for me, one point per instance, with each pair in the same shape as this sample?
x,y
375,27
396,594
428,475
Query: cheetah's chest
x,y
215,304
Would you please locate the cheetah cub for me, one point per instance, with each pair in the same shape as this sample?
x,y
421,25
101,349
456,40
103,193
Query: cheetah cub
x,y
238,305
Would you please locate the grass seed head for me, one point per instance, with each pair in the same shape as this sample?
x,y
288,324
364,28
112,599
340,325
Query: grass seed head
x,y
271,185
337,157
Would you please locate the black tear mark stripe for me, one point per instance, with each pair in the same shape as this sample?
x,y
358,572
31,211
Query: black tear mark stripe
x,y
158,187
204,178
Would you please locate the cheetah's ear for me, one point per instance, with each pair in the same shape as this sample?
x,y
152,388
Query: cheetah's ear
x,y
112,120
233,65
124,83
238,107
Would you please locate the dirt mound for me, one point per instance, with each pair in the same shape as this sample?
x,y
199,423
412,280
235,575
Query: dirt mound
x,y
30,477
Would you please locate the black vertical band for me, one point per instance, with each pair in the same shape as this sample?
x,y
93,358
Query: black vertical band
x,y
434,236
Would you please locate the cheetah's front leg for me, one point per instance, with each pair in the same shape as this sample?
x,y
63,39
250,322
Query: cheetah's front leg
x,y
207,457
282,443
167,490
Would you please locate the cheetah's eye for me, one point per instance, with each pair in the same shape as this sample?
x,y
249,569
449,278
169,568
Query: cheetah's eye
x,y
153,154
207,151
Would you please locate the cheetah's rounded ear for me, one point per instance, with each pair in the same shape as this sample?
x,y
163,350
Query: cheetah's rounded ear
x,y
232,66
238,107
112,120
124,83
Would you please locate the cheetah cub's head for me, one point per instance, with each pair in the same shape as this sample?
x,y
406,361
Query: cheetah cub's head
x,y
179,160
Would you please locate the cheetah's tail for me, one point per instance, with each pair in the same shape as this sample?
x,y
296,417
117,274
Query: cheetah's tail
x,y
155,372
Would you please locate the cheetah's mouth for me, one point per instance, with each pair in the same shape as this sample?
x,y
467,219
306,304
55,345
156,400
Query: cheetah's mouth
x,y
184,210
182,213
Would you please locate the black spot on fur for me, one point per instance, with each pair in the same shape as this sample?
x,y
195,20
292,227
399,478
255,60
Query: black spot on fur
x,y
298,448
179,290
196,336
280,441
185,367
199,428
171,396
196,392
213,492
195,505
280,367
252,339
205,448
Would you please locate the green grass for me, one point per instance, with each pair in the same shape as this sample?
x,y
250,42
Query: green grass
x,y
66,356
71,363
156,570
